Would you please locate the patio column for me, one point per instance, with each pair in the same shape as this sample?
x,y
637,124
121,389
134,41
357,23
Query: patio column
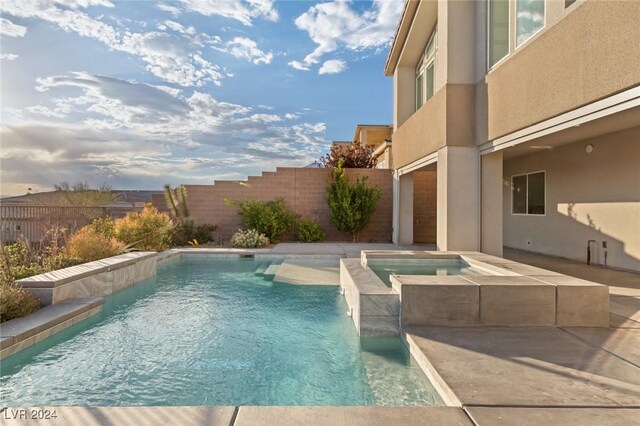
x,y
491,237
458,206
403,209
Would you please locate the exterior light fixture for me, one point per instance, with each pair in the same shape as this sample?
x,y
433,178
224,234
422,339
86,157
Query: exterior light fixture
x,y
589,149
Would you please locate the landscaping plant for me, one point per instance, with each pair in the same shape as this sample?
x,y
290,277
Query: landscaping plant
x,y
89,244
351,205
249,238
354,156
185,231
271,218
310,232
147,230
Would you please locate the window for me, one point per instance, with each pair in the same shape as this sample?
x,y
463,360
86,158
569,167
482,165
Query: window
x,y
426,71
498,30
529,19
528,194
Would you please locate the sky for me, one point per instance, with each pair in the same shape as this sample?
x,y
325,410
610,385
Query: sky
x,y
137,94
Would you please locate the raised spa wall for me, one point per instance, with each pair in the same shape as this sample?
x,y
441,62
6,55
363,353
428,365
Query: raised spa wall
x,y
503,293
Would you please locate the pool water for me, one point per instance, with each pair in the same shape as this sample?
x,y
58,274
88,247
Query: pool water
x,y
211,332
384,268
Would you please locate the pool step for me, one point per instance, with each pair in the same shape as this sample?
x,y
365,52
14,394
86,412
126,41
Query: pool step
x,y
272,269
262,268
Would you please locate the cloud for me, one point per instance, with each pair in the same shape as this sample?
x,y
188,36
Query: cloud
x,y
242,11
134,135
245,48
299,66
175,11
8,28
336,24
176,57
8,56
333,66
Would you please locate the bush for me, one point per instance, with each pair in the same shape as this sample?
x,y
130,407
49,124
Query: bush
x,y
271,218
248,239
351,205
88,244
187,231
105,226
310,232
15,302
148,230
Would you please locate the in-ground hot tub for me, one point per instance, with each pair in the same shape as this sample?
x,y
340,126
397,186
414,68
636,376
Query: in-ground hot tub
x,y
384,268
463,288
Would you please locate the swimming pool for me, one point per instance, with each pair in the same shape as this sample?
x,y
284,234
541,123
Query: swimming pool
x,y
209,331
384,268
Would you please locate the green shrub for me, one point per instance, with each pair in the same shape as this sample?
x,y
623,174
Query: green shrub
x,y
147,230
187,231
310,232
351,205
271,218
248,239
15,302
88,244
60,261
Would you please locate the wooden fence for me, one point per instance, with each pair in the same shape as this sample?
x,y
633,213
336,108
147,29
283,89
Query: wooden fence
x,y
31,222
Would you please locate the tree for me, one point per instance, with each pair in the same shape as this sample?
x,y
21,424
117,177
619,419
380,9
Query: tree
x,y
354,156
350,205
81,194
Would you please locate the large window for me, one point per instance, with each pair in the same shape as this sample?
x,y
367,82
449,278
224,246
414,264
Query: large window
x,y
426,71
529,19
498,30
528,194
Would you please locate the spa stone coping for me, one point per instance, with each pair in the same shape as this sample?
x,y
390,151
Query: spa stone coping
x,y
63,276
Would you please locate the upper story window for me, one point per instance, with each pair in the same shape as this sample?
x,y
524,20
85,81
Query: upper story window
x,y
498,30
529,19
426,71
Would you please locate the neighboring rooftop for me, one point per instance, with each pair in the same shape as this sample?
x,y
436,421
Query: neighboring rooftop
x,y
122,197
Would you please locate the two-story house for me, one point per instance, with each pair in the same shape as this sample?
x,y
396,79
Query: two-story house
x,y
528,111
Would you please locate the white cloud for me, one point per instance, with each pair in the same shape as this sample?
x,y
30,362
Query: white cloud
x,y
8,28
245,48
336,24
137,135
8,56
176,58
333,66
299,66
242,11
169,9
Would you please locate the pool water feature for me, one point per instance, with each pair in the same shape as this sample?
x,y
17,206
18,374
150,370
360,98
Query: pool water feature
x,y
210,331
384,268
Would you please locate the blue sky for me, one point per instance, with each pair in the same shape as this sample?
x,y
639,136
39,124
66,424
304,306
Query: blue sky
x,y
142,93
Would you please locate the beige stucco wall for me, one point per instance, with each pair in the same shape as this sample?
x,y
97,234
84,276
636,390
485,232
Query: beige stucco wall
x,y
590,54
445,119
589,196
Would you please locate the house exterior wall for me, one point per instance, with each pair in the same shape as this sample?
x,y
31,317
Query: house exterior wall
x,y
588,196
304,191
568,65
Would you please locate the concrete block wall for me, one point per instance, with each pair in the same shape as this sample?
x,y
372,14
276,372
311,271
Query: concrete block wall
x,y
304,191
424,207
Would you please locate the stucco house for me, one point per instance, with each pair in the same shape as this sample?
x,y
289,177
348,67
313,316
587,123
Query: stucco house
x,y
528,114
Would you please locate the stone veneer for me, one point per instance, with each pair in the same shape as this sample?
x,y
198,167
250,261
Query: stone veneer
x,y
98,278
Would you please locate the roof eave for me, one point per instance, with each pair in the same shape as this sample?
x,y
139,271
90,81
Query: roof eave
x,y
400,37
